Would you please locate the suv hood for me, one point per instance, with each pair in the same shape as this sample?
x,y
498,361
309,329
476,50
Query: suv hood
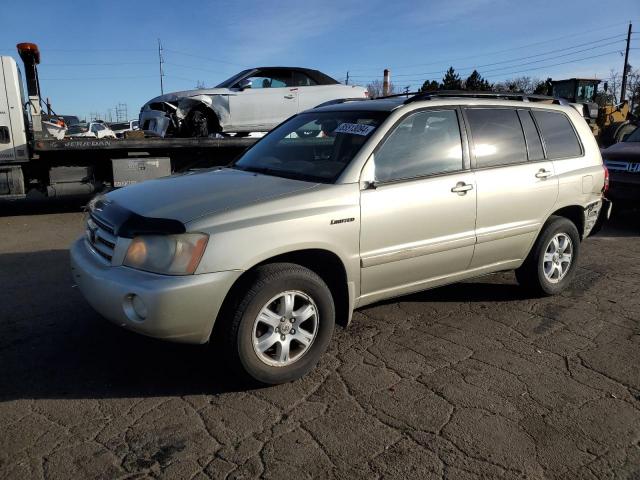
x,y
192,195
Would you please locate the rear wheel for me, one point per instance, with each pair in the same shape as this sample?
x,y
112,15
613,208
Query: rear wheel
x,y
551,264
282,323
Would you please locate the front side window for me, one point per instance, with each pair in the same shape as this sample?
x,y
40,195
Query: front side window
x,y
271,79
558,134
424,143
497,136
314,146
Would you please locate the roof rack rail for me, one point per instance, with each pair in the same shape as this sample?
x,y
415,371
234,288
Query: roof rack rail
x,y
340,100
518,96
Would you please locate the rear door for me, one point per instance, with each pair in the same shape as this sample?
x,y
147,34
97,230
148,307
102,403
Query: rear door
x,y
517,185
417,224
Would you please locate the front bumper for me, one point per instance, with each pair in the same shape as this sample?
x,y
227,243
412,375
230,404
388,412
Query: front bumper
x,y
179,308
154,121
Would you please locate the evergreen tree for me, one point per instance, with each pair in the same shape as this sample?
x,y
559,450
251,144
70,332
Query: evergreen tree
x,y
429,86
475,82
451,80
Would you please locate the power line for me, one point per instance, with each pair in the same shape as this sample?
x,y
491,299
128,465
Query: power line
x,y
99,78
474,67
209,59
496,52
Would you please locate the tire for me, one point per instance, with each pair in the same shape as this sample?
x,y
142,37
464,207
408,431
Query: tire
x,y
265,289
546,271
200,124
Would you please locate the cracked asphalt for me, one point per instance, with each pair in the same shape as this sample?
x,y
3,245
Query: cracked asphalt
x,y
474,380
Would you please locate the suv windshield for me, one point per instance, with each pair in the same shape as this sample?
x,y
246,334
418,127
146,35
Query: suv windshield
x,y
634,136
314,146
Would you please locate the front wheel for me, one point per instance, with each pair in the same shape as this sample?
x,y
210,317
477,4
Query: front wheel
x,y
200,124
282,323
551,264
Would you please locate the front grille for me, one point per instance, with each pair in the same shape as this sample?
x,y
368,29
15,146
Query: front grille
x,y
100,236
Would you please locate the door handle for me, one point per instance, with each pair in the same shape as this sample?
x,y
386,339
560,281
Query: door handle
x,y
289,96
542,173
462,188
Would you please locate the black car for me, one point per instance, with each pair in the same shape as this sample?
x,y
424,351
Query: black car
x,y
623,161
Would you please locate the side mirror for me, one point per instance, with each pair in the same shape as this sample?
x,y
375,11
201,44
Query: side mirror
x,y
244,83
625,136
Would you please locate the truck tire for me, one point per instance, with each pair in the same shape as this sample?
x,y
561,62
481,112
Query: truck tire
x,y
280,325
551,264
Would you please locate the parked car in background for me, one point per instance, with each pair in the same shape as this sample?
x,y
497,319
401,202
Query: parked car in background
x,y
623,161
120,127
97,129
254,100
396,196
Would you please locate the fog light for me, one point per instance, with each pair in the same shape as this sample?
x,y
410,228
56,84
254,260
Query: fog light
x,y
139,307
135,307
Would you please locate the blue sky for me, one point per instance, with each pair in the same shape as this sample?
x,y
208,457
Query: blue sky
x,y
96,54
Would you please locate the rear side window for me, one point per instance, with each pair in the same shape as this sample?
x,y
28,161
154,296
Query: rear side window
x,y
424,143
497,136
534,145
558,134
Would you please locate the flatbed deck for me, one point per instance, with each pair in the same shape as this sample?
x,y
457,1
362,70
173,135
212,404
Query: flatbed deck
x,y
141,144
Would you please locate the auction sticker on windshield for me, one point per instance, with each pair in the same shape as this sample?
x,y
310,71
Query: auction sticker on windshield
x,y
355,129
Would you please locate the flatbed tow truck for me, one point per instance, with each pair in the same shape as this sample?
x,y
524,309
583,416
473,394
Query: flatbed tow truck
x,y
35,164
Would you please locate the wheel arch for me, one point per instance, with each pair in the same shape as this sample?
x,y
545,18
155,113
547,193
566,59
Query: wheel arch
x,y
325,263
574,213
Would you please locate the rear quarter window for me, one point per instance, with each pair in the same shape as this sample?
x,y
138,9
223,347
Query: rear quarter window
x,y
558,134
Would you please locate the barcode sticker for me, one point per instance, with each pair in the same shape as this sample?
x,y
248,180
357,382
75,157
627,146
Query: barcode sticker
x,y
355,129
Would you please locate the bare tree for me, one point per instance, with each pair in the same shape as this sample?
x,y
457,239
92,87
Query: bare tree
x,y
614,82
375,89
519,84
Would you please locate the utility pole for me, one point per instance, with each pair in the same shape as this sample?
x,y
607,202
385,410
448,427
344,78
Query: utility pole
x,y
623,87
161,60
347,82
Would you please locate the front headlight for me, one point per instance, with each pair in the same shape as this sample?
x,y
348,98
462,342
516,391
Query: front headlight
x,y
167,254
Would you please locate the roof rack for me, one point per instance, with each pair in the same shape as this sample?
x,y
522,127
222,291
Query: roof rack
x,y
517,96
339,100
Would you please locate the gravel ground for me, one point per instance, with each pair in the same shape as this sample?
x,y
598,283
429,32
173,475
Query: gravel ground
x,y
474,380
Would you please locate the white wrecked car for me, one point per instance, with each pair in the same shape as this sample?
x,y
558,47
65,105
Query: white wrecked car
x,y
254,100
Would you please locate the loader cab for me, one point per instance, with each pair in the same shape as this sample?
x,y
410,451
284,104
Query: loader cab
x,y
13,117
576,90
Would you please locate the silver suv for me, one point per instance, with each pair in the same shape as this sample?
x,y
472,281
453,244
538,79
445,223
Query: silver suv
x,y
339,207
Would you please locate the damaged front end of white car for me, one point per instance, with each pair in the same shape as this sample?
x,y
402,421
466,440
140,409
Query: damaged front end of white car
x,y
186,114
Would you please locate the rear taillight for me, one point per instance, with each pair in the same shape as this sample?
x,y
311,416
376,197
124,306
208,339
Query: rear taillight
x,y
605,188
366,94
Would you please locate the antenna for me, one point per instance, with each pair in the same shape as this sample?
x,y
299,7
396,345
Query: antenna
x,y
161,61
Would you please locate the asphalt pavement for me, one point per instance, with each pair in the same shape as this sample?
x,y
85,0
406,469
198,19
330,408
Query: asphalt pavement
x,y
474,380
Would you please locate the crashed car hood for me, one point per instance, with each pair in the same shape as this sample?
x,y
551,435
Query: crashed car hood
x,y
625,151
175,96
189,196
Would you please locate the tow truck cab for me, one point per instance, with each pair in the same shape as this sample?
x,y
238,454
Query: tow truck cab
x,y
14,146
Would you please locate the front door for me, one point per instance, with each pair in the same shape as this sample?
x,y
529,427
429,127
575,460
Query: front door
x,y
418,222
